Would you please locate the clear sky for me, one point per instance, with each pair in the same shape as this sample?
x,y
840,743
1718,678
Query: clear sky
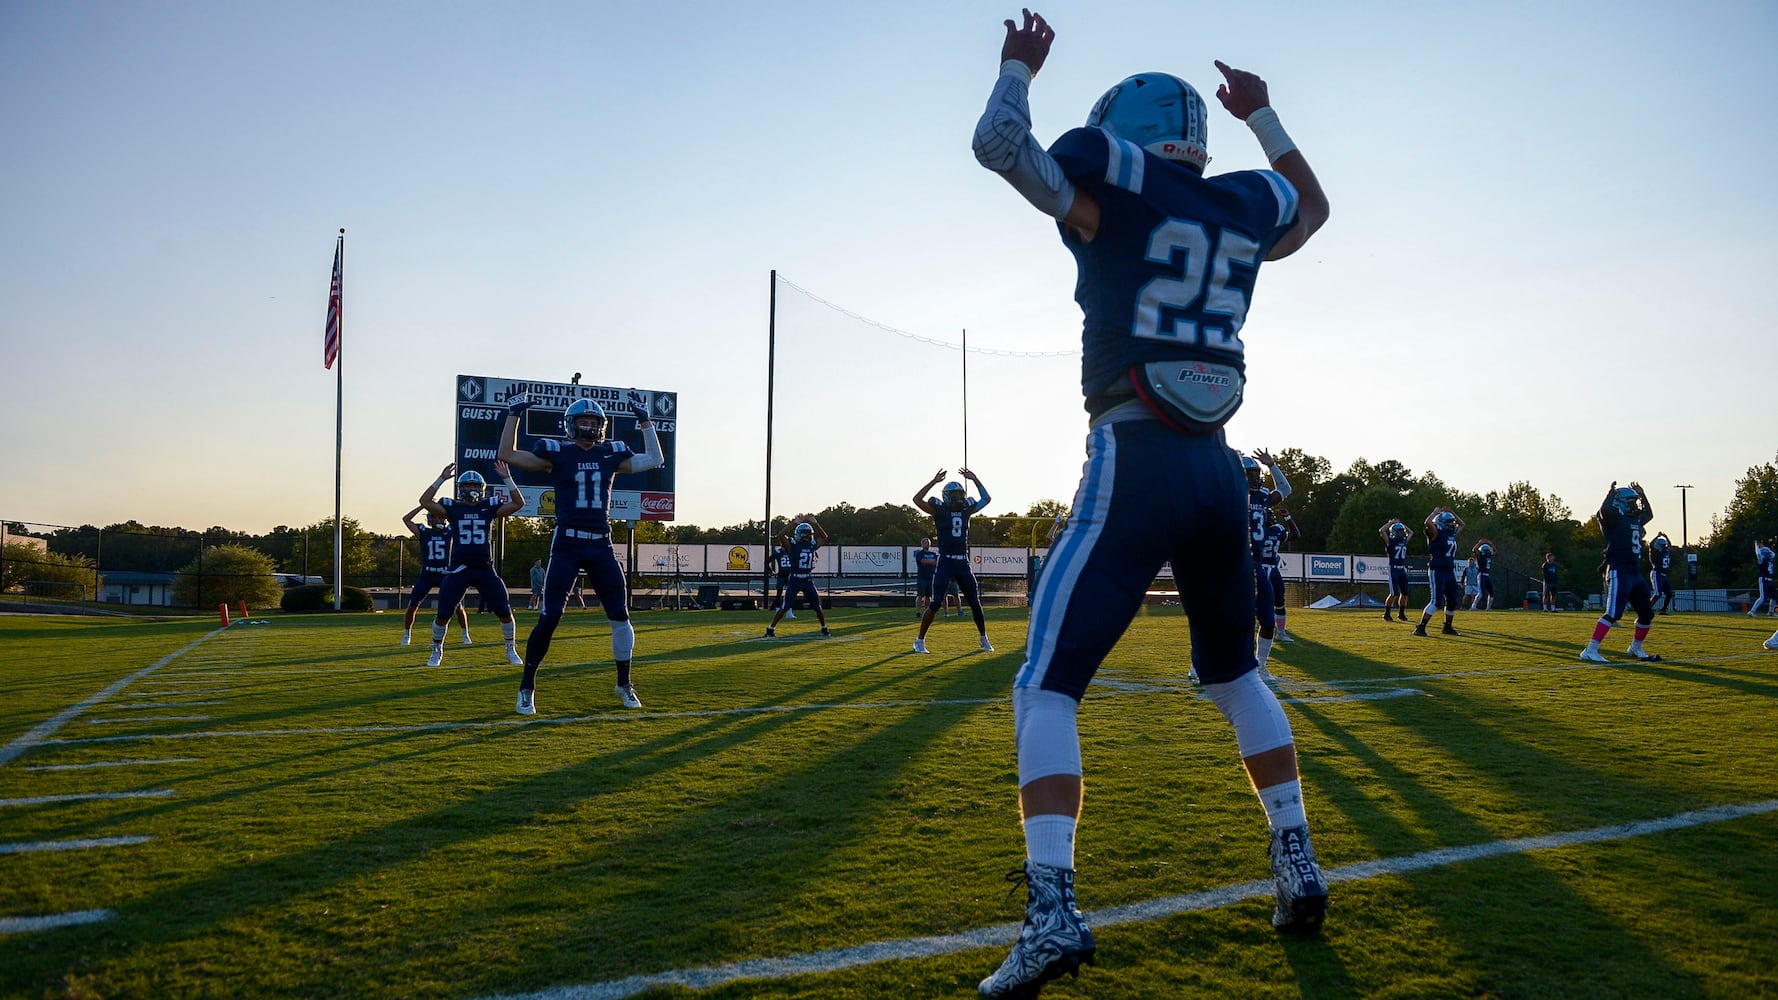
x,y
1551,256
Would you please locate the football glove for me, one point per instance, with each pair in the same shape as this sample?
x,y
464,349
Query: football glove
x,y
520,403
638,405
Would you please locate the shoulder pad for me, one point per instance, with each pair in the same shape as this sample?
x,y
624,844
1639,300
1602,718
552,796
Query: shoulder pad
x,y
550,445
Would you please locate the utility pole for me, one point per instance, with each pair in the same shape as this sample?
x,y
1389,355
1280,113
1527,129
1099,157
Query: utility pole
x,y
1691,576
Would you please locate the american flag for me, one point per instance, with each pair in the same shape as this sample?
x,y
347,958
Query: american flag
x,y
331,347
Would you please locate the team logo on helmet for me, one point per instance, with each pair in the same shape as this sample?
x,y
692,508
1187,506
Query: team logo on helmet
x,y
1159,112
804,532
471,487
1445,521
577,410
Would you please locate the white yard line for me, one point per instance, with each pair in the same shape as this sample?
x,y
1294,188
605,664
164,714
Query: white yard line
x,y
43,800
146,718
43,730
110,763
22,925
31,847
1000,935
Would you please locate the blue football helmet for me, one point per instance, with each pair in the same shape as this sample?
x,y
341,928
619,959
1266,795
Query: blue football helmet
x,y
471,487
1445,520
1398,530
954,493
1159,112
1485,549
1625,500
584,408
1250,465
1660,543
805,532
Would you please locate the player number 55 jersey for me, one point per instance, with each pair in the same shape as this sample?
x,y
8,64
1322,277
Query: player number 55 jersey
x,y
1170,272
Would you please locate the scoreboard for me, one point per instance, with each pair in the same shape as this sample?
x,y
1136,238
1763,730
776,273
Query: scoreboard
x,y
481,414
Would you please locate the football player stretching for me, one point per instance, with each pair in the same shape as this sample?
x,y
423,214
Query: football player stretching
x,y
1166,260
800,546
1395,544
581,470
1622,516
951,515
1442,527
471,515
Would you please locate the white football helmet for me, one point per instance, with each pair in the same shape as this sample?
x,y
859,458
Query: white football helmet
x,y
1159,112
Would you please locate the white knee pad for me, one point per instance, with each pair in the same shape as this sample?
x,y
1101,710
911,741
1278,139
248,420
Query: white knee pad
x,y
1252,708
1045,730
623,640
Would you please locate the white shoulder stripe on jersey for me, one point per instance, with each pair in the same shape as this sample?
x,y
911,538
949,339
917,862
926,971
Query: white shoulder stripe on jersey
x,y
551,444
1124,163
1284,192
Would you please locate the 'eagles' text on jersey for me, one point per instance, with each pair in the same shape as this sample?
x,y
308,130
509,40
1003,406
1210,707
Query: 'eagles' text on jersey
x,y
471,530
582,480
1170,272
952,526
435,548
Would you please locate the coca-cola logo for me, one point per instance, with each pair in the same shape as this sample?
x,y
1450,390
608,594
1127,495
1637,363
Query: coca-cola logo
x,y
658,503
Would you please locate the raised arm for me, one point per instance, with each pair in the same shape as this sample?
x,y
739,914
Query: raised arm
x,y
1648,511
650,456
515,498
509,438
1003,139
920,494
408,518
1278,480
427,500
982,501
1244,95
820,532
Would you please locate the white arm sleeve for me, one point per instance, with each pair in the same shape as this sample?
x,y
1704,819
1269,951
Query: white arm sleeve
x,y
650,455
1005,145
1283,484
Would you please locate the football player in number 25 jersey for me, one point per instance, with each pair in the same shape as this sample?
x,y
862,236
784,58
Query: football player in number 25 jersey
x,y
1166,259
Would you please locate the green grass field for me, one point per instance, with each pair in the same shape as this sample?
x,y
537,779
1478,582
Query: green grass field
x,y
314,813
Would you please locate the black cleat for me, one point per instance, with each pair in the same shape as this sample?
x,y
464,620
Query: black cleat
x,y
1297,881
1448,630
1420,630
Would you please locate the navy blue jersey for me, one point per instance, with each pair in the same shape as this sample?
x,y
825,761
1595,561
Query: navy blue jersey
x,y
471,530
1260,502
1660,559
925,560
1484,560
781,560
582,480
1763,562
802,558
1397,548
435,548
1170,272
1273,544
1441,546
1549,574
1623,537
952,526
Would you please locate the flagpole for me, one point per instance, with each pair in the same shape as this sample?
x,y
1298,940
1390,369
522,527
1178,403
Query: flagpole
x,y
966,398
339,433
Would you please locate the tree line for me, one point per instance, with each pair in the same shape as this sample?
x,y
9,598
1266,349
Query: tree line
x,y
1336,512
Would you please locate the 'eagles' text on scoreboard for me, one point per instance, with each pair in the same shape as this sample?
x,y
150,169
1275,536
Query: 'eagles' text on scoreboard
x,y
481,414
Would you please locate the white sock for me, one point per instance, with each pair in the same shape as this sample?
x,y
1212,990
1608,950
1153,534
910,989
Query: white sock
x,y
1264,651
509,630
1593,646
1049,840
438,633
1284,805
